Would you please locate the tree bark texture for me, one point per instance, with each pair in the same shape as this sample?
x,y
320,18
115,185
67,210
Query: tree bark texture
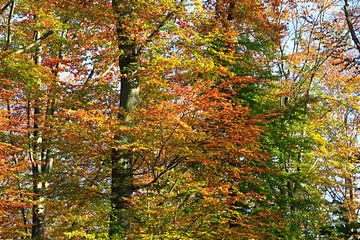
x,y
41,161
122,171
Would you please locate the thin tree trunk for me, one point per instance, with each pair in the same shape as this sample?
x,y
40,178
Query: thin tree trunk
x,y
43,161
351,26
8,35
38,228
16,161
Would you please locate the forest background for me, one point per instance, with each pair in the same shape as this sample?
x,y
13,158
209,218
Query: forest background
x,y
173,119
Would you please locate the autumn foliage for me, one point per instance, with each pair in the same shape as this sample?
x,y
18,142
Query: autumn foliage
x,y
216,119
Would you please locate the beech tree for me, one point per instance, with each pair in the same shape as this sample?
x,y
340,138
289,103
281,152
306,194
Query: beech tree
x,y
189,45
317,49
161,119
31,67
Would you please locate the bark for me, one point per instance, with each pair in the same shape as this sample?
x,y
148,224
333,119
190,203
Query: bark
x,y
122,185
351,26
11,12
42,161
231,10
38,209
122,171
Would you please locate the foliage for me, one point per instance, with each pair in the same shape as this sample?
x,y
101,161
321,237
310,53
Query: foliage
x,y
232,119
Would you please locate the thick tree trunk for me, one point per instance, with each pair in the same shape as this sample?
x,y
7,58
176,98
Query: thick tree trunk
x,y
122,172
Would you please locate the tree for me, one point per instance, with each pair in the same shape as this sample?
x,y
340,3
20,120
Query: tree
x,y
316,52
31,71
203,119
178,119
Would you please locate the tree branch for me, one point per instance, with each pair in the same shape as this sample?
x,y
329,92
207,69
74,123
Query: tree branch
x,y
8,37
108,69
351,26
36,42
2,10
160,25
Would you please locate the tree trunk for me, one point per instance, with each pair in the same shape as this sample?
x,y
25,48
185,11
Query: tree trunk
x,y
41,163
122,172
351,26
38,229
